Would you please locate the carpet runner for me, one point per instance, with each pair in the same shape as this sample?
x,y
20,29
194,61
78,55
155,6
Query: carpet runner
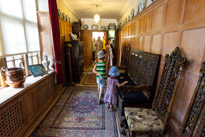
x,y
90,79
77,114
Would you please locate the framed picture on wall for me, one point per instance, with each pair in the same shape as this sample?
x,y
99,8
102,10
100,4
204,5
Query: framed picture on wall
x,y
142,5
149,2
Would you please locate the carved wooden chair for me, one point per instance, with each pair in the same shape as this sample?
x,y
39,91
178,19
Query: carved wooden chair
x,y
142,121
194,121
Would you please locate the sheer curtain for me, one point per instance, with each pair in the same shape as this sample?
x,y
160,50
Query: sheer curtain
x,y
18,27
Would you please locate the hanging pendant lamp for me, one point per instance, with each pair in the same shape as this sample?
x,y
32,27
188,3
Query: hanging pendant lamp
x,y
96,16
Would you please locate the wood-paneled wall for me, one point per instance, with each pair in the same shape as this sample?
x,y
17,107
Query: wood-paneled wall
x,y
159,29
65,29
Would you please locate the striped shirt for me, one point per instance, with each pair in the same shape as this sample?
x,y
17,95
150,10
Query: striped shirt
x,y
101,69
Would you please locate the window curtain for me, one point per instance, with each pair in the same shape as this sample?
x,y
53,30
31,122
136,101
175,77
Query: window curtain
x,y
53,12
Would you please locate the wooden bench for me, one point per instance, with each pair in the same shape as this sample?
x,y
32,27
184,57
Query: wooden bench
x,y
125,55
143,121
141,72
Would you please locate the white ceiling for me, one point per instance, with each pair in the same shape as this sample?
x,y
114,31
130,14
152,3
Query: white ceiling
x,y
108,9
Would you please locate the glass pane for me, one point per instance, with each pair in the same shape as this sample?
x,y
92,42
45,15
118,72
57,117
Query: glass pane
x,y
34,54
35,60
29,54
1,47
98,34
17,62
14,36
29,61
29,7
32,37
10,64
11,7
18,57
9,58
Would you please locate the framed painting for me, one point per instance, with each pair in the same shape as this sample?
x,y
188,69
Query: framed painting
x,y
38,70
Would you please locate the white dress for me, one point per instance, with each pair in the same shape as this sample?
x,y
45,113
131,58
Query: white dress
x,y
111,56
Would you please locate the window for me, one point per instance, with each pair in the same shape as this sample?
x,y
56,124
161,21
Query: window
x,y
18,27
19,36
33,58
1,65
14,61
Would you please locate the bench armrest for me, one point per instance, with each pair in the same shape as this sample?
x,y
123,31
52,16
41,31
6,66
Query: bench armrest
x,y
134,88
122,67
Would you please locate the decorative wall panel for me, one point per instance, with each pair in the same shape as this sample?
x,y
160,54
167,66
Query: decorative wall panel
x,y
159,17
156,44
133,26
141,40
137,27
193,44
170,43
142,25
185,86
148,26
42,93
29,105
147,43
174,12
195,10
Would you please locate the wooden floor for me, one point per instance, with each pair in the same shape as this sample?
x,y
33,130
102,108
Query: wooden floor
x,y
88,68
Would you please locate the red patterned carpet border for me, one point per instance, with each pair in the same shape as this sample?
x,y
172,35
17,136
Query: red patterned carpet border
x,y
77,114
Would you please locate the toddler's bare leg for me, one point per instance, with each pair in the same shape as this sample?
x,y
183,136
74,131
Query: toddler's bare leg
x,y
100,95
114,107
111,106
108,105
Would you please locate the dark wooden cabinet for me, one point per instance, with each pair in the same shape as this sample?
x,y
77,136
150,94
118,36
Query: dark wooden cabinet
x,y
74,61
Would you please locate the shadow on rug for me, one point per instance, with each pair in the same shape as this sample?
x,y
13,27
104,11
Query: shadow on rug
x,y
77,114
90,79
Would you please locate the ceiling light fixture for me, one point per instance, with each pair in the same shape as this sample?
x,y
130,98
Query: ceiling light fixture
x,y
97,16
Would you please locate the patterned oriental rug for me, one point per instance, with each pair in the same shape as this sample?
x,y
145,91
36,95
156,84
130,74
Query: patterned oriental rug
x,y
77,114
90,79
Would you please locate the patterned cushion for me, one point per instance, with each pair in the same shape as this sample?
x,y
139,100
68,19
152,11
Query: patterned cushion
x,y
143,121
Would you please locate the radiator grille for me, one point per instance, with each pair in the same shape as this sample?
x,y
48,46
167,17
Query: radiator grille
x,y
11,120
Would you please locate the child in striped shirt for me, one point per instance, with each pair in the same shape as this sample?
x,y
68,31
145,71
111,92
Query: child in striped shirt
x,y
100,70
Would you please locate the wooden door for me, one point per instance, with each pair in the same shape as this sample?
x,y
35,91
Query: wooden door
x,y
87,47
